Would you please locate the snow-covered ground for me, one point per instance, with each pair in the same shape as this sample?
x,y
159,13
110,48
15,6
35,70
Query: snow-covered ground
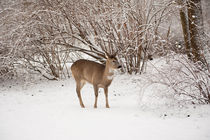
x,y
50,110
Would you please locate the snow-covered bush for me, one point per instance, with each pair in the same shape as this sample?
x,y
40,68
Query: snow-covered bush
x,y
44,35
183,78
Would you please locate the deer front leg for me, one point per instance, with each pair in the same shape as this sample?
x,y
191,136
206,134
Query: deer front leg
x,y
106,95
96,95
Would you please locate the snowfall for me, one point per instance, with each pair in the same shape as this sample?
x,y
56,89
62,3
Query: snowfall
x,y
49,110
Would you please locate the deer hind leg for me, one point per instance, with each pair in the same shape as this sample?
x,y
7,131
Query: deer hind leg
x,y
80,84
106,95
96,95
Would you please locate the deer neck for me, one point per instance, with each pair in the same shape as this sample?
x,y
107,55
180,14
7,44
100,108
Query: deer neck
x,y
108,73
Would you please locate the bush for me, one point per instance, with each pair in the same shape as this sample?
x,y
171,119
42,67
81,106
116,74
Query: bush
x,y
184,78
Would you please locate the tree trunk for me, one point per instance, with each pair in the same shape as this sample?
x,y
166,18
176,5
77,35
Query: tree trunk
x,y
185,27
194,21
193,29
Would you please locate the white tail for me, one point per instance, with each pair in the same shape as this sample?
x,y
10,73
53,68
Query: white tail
x,y
99,75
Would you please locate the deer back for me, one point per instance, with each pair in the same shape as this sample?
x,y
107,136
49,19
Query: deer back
x,y
87,70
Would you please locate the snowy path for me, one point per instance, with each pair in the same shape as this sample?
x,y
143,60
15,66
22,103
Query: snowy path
x,y
51,111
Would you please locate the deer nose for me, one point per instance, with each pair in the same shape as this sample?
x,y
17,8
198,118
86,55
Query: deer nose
x,y
119,67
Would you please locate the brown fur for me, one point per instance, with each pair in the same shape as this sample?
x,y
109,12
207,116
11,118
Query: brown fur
x,y
99,75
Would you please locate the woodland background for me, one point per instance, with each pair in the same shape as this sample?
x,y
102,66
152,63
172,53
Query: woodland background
x,y
44,37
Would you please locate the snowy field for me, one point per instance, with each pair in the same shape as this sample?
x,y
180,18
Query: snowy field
x,y
50,110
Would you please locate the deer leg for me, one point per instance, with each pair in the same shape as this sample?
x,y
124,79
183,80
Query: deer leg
x,y
96,95
78,88
106,95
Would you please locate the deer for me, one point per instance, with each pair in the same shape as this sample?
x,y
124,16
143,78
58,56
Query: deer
x,y
99,75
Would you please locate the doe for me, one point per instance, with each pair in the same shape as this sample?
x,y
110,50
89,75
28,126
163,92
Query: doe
x,y
99,75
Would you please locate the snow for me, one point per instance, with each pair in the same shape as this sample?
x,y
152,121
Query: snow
x,y
50,110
